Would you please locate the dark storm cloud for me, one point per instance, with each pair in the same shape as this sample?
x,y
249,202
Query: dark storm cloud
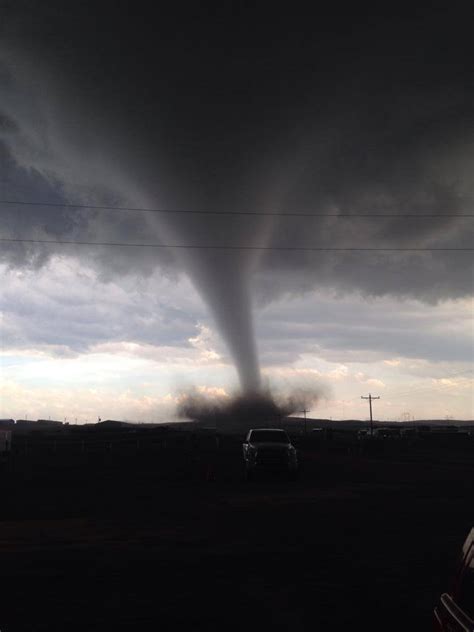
x,y
284,342
89,313
240,108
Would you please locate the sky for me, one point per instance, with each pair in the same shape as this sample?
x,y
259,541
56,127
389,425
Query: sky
x,y
320,166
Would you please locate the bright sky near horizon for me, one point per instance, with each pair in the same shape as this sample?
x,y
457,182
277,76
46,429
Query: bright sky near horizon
x,y
73,355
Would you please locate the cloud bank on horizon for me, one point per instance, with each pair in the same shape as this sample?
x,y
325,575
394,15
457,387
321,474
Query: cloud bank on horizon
x,y
223,114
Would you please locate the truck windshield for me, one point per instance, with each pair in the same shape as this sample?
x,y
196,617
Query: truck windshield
x,y
272,436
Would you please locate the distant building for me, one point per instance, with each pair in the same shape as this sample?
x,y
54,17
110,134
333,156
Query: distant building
x,y
28,425
445,429
49,422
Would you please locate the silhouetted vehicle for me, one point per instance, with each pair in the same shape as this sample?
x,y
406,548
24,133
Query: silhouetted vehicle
x,y
5,446
5,441
387,433
269,450
455,611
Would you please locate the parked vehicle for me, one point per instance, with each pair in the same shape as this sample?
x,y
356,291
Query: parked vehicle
x,y
387,433
270,450
455,611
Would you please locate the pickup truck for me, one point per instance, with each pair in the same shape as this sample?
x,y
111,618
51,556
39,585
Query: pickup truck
x,y
269,450
455,611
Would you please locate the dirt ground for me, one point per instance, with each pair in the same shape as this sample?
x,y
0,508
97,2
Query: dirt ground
x,y
178,540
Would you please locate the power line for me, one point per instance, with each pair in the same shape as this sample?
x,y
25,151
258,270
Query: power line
x,y
231,212
224,247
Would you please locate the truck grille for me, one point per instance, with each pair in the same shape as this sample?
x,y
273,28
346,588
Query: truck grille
x,y
272,457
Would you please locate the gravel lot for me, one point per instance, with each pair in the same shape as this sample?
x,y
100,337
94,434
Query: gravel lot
x,y
174,538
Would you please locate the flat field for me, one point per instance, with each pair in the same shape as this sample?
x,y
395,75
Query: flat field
x,y
166,534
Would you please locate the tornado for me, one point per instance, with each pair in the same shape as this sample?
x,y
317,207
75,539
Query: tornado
x,y
223,278
224,285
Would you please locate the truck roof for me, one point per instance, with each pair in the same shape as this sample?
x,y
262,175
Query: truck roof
x,y
267,430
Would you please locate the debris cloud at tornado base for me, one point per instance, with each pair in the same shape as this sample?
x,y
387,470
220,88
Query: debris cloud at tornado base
x,y
243,410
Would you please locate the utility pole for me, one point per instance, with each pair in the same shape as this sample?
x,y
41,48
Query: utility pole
x,y
370,398
304,411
